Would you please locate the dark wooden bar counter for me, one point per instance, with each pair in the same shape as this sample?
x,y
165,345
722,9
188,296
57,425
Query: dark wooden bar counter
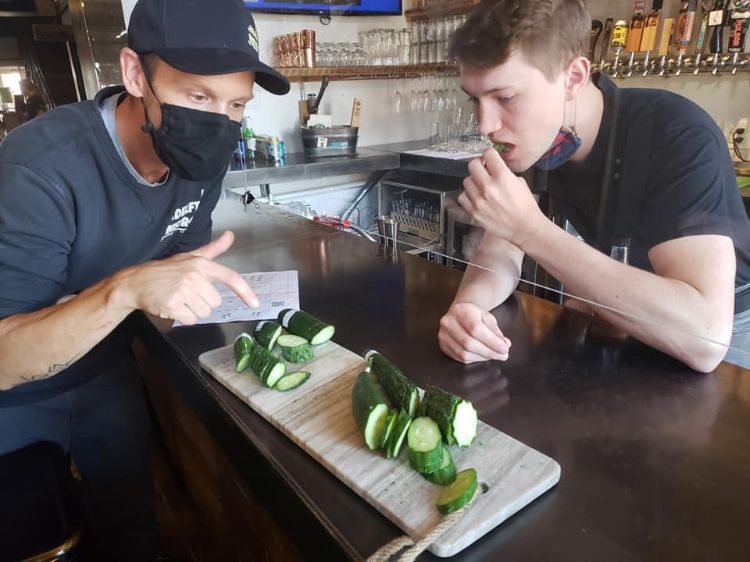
x,y
654,456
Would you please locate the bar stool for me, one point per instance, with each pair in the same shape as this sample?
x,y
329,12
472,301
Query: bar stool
x,y
41,501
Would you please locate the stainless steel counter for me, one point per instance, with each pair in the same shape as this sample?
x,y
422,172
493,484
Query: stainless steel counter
x,y
298,167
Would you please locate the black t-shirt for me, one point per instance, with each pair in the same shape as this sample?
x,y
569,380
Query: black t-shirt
x,y
670,176
71,214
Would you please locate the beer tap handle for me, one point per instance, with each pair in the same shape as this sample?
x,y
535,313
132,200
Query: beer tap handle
x,y
647,64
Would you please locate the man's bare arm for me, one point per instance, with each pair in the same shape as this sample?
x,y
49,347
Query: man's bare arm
x,y
41,344
493,274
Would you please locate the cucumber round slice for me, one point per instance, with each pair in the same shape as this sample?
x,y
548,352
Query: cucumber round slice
x,y
454,497
444,475
292,380
424,435
272,376
243,363
425,445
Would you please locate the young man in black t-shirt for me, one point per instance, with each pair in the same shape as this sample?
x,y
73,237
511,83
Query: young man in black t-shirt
x,y
642,165
105,208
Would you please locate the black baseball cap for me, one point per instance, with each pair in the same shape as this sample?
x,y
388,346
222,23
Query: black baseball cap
x,y
206,37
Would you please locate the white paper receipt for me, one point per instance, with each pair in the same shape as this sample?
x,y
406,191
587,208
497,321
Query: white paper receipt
x,y
276,290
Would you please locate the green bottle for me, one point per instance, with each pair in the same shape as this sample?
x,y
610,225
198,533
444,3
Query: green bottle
x,y
249,137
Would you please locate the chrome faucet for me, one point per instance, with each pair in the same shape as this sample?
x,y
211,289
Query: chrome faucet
x,y
616,64
647,64
632,65
663,65
678,64
697,63
736,62
717,62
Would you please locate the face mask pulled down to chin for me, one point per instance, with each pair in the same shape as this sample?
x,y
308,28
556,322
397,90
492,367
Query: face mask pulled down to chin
x,y
196,145
566,144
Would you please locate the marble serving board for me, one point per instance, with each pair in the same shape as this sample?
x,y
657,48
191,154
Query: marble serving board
x,y
318,417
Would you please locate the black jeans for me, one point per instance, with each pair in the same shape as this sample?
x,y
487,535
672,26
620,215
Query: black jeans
x,y
104,425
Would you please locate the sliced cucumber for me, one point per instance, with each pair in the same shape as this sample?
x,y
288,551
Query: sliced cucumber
x,y
295,349
456,417
243,349
455,496
399,388
302,324
425,445
464,423
289,340
390,424
274,374
398,435
370,409
266,333
267,366
444,475
291,381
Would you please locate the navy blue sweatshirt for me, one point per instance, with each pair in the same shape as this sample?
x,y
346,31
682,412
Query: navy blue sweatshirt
x,y
71,214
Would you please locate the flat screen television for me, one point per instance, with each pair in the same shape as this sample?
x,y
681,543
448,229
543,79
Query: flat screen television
x,y
327,7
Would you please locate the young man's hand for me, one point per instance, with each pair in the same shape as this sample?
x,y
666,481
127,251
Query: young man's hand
x,y
498,200
470,334
182,287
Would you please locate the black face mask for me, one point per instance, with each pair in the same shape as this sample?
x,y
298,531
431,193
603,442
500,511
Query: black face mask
x,y
196,145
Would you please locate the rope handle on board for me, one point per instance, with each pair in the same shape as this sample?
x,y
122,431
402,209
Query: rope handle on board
x,y
406,550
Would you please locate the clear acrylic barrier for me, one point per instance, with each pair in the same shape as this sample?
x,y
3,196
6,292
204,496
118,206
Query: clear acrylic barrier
x,y
451,127
597,317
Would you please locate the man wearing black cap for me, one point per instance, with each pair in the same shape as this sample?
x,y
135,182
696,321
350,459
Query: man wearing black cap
x,y
105,208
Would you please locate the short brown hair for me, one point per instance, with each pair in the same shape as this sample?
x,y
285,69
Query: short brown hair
x,y
549,33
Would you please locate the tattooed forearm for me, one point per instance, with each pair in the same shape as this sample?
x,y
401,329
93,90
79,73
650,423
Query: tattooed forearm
x,y
52,370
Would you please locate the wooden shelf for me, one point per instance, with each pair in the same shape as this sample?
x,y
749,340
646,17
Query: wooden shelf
x,y
440,10
365,72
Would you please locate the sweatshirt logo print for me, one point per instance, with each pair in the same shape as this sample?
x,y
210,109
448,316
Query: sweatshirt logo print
x,y
182,217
